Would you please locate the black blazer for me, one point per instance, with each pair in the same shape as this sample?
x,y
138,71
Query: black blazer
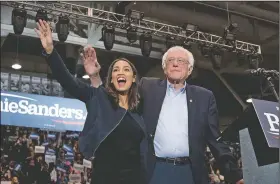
x,y
203,128
102,118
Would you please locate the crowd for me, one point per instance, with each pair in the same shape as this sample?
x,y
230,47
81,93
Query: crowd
x,y
214,173
35,156
30,155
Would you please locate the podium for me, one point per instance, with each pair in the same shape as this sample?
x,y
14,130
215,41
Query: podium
x,y
257,129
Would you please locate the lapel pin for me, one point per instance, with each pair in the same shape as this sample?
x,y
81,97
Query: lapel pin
x,y
190,100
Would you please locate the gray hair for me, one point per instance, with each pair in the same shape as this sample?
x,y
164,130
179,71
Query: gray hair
x,y
188,53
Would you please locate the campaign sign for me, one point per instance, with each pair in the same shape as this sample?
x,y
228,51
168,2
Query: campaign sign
x,y
268,115
45,112
50,158
78,167
39,149
75,178
87,163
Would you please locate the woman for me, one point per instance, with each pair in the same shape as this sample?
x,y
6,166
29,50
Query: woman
x,y
113,133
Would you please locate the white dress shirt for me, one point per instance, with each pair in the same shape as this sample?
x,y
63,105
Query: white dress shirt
x,y
171,136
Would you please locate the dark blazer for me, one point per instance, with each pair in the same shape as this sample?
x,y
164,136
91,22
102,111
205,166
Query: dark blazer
x,y
203,128
102,118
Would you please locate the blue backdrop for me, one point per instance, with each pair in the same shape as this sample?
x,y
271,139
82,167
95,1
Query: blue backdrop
x,y
44,112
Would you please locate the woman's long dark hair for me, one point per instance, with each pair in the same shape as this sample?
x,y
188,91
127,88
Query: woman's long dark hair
x,y
133,95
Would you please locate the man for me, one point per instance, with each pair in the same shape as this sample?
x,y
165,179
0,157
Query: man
x,y
181,119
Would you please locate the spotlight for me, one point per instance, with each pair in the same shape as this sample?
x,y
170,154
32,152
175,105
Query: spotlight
x,y
187,44
131,35
62,28
205,50
228,36
108,37
232,27
86,77
19,17
146,44
170,41
136,15
41,14
249,100
230,33
16,65
216,58
189,28
242,58
254,61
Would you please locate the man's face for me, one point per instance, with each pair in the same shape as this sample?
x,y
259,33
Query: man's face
x,y
177,66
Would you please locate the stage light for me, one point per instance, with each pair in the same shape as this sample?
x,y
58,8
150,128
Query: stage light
x,y
187,44
136,15
62,28
232,27
41,14
229,36
86,77
205,50
131,34
146,44
242,58
249,100
170,41
108,37
189,28
230,33
19,17
216,58
254,61
16,65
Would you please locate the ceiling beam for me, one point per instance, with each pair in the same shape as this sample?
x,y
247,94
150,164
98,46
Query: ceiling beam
x,y
235,95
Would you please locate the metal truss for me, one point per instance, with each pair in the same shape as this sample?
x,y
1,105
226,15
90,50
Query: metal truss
x,y
97,16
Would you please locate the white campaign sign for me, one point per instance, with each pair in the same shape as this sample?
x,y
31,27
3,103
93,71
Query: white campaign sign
x,y
39,149
87,163
78,167
50,158
6,182
75,177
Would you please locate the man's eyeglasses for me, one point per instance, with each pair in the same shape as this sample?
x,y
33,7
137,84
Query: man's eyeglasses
x,y
180,61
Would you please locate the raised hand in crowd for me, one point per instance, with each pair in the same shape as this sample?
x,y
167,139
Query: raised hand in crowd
x,y
45,34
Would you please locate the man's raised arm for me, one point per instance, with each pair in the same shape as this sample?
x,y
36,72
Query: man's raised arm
x,y
95,80
92,66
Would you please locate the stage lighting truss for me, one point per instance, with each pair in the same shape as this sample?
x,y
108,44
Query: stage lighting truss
x,y
102,17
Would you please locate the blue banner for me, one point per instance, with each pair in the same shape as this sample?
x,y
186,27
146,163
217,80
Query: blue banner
x,y
67,148
50,152
32,135
51,136
268,115
44,112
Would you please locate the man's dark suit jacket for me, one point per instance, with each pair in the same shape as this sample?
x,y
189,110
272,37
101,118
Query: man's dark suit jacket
x,y
203,128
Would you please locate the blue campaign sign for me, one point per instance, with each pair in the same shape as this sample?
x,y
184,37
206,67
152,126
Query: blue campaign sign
x,y
44,112
268,115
